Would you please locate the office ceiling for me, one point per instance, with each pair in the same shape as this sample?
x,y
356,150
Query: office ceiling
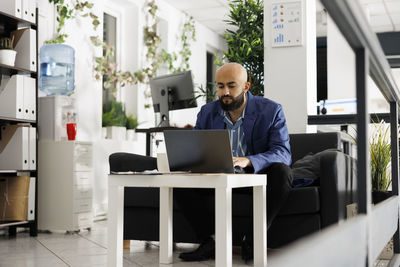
x,y
210,13
384,14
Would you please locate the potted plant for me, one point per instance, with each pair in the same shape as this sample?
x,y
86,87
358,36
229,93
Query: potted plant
x,y
114,119
209,93
380,152
246,41
7,52
131,124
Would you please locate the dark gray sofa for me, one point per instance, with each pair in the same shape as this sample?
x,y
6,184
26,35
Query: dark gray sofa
x,y
307,209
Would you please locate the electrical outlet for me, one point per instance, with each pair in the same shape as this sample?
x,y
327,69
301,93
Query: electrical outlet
x,y
351,210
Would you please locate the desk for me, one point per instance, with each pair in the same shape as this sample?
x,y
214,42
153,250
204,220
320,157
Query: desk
x,y
222,183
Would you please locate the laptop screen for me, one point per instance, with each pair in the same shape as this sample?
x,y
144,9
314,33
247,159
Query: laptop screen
x,y
199,151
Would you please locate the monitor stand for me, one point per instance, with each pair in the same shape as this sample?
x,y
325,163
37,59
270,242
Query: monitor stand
x,y
164,107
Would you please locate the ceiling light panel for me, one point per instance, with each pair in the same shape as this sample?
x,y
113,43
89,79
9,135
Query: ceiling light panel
x,y
370,1
393,6
376,9
379,20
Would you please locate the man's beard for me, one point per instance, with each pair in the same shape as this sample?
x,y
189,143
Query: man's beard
x,y
236,103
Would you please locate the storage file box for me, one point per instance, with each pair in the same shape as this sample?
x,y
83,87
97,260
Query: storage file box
x,y
14,147
32,148
30,216
25,45
12,7
29,98
11,97
29,10
18,97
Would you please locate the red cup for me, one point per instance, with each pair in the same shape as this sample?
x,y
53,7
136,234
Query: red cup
x,y
71,131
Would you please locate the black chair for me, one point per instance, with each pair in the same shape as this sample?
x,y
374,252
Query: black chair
x,y
307,209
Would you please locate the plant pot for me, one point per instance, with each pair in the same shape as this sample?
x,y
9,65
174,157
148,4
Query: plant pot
x,y
7,56
116,132
379,196
130,134
104,132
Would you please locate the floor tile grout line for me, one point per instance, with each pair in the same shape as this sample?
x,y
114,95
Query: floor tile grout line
x,y
84,237
134,262
106,248
52,251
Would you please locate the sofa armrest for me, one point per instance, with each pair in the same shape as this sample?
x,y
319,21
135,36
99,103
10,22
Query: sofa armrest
x,y
124,162
337,186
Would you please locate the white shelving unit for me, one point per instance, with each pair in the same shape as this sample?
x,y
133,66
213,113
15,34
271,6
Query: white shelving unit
x,y
11,19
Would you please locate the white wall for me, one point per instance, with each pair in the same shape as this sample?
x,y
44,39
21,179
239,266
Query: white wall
x,y
342,72
340,64
88,92
290,72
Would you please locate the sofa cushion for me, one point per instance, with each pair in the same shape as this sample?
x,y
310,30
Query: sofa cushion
x,y
310,165
302,200
285,229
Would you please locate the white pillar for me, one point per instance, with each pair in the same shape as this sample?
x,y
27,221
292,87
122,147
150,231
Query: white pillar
x,y
290,72
341,64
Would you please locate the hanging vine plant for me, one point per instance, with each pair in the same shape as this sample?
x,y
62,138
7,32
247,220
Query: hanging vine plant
x,y
158,58
65,12
104,65
188,35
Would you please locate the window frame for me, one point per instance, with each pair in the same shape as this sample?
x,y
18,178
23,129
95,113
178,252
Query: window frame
x,y
115,10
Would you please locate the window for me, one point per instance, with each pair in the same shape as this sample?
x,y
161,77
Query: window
x,y
210,71
110,38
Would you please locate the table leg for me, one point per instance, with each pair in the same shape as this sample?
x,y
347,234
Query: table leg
x,y
115,225
166,214
223,227
260,225
148,144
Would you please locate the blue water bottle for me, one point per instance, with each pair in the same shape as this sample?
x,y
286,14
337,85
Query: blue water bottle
x,y
57,67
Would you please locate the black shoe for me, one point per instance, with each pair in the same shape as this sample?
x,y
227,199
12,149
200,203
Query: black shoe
x,y
204,252
247,250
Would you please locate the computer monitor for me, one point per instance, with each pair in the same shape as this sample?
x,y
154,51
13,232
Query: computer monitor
x,y
171,92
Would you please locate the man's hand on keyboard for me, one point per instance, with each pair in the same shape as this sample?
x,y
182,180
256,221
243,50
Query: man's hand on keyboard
x,y
242,162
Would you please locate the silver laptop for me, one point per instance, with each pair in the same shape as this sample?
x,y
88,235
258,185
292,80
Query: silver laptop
x,y
199,151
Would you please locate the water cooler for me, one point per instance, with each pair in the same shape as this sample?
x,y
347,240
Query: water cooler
x,y
54,113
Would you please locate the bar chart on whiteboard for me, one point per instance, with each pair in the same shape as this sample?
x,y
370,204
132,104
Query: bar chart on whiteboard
x,y
286,24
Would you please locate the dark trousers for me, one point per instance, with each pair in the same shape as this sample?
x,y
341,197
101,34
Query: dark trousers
x,y
198,205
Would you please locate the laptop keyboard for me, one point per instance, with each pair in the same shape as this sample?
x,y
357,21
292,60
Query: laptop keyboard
x,y
239,170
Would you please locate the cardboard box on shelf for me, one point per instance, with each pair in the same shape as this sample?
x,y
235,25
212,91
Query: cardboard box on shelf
x,y
14,192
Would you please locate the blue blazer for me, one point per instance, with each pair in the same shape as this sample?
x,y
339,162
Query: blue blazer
x,y
264,127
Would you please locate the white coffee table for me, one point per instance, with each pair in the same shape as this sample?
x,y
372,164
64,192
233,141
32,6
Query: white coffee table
x,y
223,184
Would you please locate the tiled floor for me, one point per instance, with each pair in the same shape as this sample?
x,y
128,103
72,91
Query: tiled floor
x,y
89,249
83,249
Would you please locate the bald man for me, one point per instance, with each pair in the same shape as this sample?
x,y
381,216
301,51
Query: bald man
x,y
260,144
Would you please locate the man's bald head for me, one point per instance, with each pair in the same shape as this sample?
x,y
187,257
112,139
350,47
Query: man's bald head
x,y
233,71
232,85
